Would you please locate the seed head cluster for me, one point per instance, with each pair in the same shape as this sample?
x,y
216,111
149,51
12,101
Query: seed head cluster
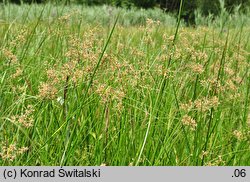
x,y
11,152
202,105
188,121
11,58
47,91
26,119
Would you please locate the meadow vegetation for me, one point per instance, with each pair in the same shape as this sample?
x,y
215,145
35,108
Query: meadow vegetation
x,y
83,86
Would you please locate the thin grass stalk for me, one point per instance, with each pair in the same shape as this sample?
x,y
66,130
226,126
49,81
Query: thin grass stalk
x,y
164,79
64,157
24,51
215,92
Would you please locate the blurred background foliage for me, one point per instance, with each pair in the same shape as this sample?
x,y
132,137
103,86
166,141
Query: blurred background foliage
x,y
205,7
